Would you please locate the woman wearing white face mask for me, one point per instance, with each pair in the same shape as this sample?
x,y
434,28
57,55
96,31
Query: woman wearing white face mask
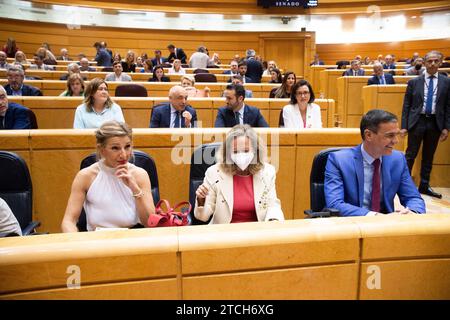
x,y
240,187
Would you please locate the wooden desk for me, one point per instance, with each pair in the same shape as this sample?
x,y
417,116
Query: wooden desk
x,y
349,106
397,257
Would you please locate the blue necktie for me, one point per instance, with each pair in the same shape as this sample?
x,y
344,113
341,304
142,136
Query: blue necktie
x,y
382,80
429,104
177,120
236,116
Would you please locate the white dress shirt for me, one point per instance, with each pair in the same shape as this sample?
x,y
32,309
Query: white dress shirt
x,y
425,92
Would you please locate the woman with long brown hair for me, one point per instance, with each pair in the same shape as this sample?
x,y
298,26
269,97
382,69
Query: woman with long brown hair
x,y
97,107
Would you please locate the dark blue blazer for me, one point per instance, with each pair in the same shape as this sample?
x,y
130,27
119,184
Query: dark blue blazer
x,y
229,72
252,116
103,58
388,77
160,117
414,99
344,183
254,70
154,63
180,55
391,66
16,117
26,90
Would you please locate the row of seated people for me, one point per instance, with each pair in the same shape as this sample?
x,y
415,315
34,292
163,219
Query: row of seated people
x,y
75,85
388,61
98,107
240,186
380,76
44,59
157,74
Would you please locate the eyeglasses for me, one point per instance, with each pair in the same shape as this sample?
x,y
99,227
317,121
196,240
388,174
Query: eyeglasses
x,y
304,93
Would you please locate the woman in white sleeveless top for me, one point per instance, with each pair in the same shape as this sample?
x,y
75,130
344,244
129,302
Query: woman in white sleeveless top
x,y
301,112
113,192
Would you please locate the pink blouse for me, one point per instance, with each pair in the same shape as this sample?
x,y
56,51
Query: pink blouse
x,y
244,204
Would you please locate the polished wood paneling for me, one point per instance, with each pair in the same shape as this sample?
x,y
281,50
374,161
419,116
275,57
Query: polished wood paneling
x,y
350,98
315,283
30,35
298,259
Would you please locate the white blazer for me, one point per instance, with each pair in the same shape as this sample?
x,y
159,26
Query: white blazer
x,y
293,119
219,201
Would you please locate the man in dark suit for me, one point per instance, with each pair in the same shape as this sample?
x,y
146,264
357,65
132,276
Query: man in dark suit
x,y
426,117
158,59
363,180
176,53
355,69
233,68
102,57
389,62
379,76
176,113
254,67
84,65
12,115
64,55
15,86
236,111
317,61
242,71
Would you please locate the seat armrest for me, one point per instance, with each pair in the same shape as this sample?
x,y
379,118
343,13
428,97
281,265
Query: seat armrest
x,y
30,229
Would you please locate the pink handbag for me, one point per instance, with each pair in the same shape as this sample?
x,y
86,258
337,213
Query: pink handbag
x,y
170,217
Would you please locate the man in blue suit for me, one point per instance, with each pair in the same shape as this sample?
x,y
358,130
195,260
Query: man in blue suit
x,y
176,113
389,62
355,69
158,59
236,111
233,68
15,86
254,67
102,57
364,180
379,76
176,53
12,115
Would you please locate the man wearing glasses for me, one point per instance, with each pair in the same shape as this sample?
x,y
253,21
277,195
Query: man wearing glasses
x,y
364,180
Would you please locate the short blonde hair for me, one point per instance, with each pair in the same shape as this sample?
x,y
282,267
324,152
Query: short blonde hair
x,y
189,78
224,153
111,129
